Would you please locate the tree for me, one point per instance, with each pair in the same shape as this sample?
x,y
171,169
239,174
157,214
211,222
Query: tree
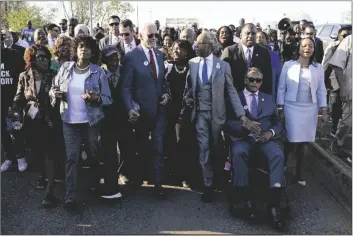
x,y
102,10
347,16
17,19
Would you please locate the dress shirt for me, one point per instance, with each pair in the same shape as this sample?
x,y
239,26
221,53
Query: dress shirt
x,y
209,61
127,48
147,53
248,97
245,49
115,39
51,42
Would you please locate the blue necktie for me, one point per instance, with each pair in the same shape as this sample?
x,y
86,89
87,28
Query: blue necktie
x,y
248,58
204,72
254,106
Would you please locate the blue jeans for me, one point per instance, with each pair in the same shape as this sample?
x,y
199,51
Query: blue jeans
x,y
73,136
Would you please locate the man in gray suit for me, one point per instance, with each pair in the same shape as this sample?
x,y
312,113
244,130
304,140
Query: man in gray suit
x,y
113,36
207,81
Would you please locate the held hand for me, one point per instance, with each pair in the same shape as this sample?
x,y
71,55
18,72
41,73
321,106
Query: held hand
x,y
265,136
90,96
165,98
189,102
252,126
133,116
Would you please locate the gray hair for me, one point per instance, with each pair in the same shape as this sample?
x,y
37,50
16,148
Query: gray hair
x,y
81,29
146,26
188,31
209,38
256,71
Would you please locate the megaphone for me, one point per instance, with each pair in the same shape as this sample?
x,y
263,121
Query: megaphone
x,y
284,24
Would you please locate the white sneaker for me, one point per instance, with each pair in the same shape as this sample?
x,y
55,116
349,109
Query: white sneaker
x,y
6,165
22,164
115,196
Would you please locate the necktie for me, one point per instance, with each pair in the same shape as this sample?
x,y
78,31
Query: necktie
x,y
204,72
153,65
253,106
248,57
129,46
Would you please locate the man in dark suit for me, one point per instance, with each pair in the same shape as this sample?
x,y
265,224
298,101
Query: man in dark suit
x,y
144,82
309,32
129,41
9,43
238,29
248,54
261,108
113,36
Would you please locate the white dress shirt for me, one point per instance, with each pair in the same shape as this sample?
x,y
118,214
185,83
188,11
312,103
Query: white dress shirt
x,y
22,43
147,53
127,48
245,49
115,39
209,61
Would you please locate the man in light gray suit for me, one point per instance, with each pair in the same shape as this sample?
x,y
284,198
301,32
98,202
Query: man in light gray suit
x,y
207,81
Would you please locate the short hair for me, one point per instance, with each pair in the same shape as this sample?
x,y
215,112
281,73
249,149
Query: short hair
x,y
246,25
30,55
88,41
114,17
62,46
127,23
348,28
81,27
265,35
51,26
186,45
230,33
64,20
309,26
254,70
208,37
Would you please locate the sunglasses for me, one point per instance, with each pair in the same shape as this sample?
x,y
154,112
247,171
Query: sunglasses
x,y
257,80
151,36
309,33
116,24
344,35
125,34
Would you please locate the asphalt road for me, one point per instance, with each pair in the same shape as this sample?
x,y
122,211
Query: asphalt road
x,y
314,211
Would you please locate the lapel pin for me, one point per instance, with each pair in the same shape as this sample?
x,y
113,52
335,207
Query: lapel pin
x,y
218,66
145,63
245,107
257,55
263,99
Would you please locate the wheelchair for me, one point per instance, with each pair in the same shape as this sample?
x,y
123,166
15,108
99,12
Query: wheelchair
x,y
259,178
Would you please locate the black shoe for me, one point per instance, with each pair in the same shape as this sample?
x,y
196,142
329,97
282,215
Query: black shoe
x,y
41,183
159,191
50,201
249,211
207,195
70,205
277,218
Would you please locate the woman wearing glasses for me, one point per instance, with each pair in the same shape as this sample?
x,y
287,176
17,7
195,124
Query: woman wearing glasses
x,y
301,96
32,97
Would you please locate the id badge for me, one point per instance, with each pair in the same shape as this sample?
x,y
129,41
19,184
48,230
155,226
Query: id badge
x,y
32,112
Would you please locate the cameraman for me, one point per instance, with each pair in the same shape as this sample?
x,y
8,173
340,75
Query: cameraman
x,y
12,64
288,45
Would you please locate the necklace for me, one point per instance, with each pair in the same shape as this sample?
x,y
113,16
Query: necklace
x,y
81,69
180,71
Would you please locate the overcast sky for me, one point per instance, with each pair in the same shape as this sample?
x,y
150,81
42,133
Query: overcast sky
x,y
212,14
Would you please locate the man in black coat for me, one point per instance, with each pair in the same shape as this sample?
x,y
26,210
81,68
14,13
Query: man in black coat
x,y
113,36
309,32
246,54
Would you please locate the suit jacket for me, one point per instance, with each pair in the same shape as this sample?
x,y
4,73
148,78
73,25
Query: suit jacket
x,y
107,40
221,86
121,49
289,82
266,115
319,50
139,84
261,59
19,49
276,71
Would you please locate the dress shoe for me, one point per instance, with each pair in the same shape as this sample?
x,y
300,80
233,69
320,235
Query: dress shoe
x,y
277,218
249,211
70,205
159,191
207,195
49,201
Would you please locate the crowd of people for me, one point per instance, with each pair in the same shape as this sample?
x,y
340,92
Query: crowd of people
x,y
177,99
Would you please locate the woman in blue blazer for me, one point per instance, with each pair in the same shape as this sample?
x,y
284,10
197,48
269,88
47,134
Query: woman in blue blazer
x,y
301,95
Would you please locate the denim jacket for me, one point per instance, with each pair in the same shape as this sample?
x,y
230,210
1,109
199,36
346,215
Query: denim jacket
x,y
96,80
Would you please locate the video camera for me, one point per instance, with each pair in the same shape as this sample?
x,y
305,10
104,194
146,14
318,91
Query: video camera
x,y
289,43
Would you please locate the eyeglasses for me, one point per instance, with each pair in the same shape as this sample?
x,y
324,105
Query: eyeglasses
x,y
125,34
344,35
151,36
309,33
257,80
42,58
116,24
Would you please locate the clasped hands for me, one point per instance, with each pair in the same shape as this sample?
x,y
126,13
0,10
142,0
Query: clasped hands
x,y
255,129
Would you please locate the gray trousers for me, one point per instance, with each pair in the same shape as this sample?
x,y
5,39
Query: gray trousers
x,y
345,123
208,134
73,136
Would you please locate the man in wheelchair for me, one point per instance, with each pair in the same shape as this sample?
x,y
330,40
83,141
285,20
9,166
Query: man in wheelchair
x,y
266,144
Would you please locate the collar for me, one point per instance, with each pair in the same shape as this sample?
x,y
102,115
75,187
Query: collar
x,y
247,93
245,48
133,43
108,72
145,49
208,58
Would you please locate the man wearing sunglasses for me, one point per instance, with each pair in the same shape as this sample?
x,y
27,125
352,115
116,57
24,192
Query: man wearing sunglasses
x,y
128,40
53,33
309,32
266,144
144,82
113,37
